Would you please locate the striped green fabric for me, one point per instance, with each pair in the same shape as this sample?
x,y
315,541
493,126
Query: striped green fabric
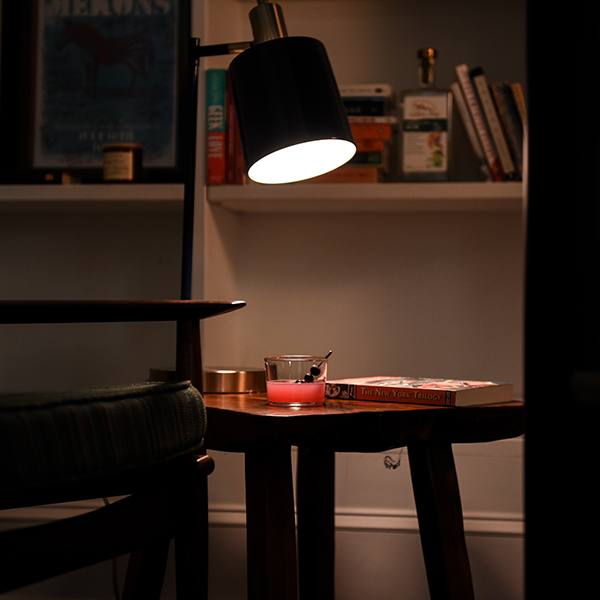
x,y
64,436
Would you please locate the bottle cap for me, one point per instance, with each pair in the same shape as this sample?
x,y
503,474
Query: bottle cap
x,y
427,53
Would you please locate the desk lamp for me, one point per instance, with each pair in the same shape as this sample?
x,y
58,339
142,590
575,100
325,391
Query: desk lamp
x,y
291,119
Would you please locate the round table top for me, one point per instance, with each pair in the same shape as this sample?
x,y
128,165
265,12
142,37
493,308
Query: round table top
x,y
240,422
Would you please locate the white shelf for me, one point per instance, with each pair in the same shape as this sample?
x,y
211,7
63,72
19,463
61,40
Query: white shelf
x,y
304,197
90,196
382,197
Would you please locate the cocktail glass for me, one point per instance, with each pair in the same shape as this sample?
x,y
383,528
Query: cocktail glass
x,y
296,379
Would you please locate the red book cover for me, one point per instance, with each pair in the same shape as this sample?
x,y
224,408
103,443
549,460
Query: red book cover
x,y
349,174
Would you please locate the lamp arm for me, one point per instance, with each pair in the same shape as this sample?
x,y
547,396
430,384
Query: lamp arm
x,y
220,49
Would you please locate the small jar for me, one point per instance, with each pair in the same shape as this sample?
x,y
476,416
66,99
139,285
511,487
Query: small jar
x,y
122,162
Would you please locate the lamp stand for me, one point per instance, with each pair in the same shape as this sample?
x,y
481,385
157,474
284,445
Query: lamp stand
x,y
195,53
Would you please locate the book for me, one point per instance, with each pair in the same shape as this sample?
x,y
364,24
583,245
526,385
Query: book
x,y
363,167
378,131
463,111
231,139
216,126
349,90
511,121
371,114
376,105
388,119
369,145
350,174
234,160
419,390
466,85
517,90
492,118
368,158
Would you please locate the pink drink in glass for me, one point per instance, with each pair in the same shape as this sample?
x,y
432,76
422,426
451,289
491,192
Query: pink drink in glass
x,y
292,393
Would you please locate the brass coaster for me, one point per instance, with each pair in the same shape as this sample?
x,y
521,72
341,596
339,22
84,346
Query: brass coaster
x,y
225,380
222,380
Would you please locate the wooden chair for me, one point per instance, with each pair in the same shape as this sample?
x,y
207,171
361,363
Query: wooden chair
x,y
142,442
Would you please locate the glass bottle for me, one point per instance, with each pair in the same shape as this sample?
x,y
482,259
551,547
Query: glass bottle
x,y
426,125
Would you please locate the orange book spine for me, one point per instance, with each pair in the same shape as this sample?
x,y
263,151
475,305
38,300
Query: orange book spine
x,y
380,131
368,145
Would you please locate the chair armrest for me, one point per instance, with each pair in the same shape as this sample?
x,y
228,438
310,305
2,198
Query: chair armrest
x,y
111,311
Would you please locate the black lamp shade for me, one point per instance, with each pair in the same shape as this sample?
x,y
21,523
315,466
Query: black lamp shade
x,y
286,95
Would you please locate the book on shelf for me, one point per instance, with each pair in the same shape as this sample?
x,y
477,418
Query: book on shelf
x,y
374,131
369,158
517,90
419,390
482,88
511,120
230,138
369,108
351,173
353,90
216,126
479,122
235,171
224,158
463,111
362,99
362,106
377,120
369,145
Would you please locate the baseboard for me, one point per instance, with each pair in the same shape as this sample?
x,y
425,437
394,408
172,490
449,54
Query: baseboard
x,y
368,519
484,524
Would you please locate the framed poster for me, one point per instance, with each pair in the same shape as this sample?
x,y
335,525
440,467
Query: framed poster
x,y
96,72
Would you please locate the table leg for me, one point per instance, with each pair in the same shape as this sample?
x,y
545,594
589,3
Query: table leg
x,y
315,498
439,512
270,524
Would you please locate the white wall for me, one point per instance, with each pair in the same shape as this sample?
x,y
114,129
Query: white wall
x,y
97,254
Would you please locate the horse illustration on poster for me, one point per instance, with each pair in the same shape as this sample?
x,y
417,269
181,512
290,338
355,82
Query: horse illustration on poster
x,y
133,51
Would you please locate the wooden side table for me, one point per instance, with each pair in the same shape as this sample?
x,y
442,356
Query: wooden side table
x,y
265,434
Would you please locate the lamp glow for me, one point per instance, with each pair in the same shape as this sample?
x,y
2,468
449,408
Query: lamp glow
x,y
302,161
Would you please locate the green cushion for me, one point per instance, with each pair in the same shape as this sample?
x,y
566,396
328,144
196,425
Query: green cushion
x,y
49,438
